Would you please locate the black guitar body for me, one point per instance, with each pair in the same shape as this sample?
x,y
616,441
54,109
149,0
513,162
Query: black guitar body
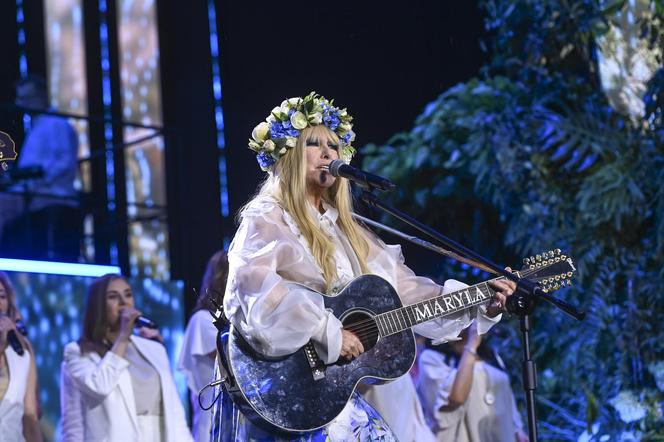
x,y
283,394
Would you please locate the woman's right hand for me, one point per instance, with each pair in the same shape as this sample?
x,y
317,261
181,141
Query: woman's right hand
x,y
351,346
128,317
6,324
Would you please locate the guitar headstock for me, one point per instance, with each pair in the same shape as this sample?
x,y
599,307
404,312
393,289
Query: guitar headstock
x,y
552,270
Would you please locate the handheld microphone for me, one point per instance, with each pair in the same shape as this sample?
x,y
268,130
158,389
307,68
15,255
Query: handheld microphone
x,y
15,343
367,180
13,339
142,321
20,326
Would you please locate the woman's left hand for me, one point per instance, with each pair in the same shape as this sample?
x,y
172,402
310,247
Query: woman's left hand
x,y
150,333
503,288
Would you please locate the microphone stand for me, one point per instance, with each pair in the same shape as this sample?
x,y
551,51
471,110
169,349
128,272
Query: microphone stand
x,y
521,303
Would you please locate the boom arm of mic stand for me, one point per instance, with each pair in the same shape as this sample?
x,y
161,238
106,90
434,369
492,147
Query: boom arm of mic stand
x,y
524,286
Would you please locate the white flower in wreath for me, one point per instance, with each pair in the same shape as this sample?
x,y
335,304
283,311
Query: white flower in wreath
x,y
260,131
345,127
298,120
291,142
316,118
269,145
253,145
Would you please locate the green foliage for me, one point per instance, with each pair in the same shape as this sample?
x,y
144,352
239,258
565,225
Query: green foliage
x,y
529,157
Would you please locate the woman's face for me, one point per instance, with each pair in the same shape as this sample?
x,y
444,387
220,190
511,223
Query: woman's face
x,y
4,300
118,296
320,150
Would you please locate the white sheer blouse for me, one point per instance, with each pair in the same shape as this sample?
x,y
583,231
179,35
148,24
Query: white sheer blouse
x,y
274,287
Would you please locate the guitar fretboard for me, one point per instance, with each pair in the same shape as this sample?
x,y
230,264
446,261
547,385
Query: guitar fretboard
x,y
403,318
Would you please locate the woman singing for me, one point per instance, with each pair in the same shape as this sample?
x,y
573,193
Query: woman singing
x,y
117,386
19,406
297,238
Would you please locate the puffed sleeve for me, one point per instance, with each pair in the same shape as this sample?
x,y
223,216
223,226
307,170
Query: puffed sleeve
x,y
72,428
271,308
198,343
96,380
387,261
435,383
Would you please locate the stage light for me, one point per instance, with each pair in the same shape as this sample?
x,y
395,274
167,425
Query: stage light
x,y
56,268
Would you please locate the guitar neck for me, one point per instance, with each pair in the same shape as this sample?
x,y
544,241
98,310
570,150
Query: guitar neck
x,y
403,318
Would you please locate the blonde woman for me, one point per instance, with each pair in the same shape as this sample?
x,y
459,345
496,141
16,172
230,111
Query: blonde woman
x,y
297,238
19,406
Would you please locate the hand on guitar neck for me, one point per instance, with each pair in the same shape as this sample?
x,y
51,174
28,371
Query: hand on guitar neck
x,y
503,288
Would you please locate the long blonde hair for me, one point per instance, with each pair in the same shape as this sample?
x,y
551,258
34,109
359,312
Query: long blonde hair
x,y
287,184
12,309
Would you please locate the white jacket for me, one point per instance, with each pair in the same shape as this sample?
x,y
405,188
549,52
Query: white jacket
x,y
11,405
97,397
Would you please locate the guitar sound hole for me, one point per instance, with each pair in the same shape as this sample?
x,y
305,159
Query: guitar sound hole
x,y
364,327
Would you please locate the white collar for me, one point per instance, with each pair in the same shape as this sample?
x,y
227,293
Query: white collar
x,y
330,213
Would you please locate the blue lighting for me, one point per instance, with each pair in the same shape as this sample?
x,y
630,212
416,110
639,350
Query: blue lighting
x,y
20,22
219,116
56,268
108,127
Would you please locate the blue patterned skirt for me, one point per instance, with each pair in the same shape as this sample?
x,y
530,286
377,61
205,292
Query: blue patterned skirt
x,y
357,422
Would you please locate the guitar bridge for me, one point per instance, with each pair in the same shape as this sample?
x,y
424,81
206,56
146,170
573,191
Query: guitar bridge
x,y
315,363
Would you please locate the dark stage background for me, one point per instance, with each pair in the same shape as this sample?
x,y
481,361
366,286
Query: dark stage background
x,y
383,62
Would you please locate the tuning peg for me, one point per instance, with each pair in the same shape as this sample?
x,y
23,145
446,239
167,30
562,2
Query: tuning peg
x,y
538,258
557,278
556,286
563,257
557,251
569,274
526,261
531,266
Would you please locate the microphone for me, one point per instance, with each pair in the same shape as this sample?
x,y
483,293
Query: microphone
x,y
13,339
15,343
142,321
20,326
367,180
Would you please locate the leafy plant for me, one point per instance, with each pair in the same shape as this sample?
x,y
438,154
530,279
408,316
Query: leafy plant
x,y
530,156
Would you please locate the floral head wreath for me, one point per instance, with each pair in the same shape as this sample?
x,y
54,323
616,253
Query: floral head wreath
x,y
272,138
